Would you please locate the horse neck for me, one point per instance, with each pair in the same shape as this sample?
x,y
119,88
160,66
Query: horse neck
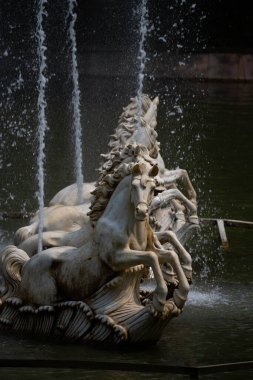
x,y
122,212
119,206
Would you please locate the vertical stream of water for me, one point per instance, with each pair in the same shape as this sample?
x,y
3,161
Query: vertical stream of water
x,y
76,102
143,28
42,104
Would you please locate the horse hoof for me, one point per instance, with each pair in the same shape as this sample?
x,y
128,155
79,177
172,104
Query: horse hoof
x,y
158,303
179,298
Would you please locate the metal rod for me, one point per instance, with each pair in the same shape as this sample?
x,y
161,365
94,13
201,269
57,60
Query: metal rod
x,y
223,235
228,222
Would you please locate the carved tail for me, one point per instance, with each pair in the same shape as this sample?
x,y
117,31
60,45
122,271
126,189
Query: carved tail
x,y
11,263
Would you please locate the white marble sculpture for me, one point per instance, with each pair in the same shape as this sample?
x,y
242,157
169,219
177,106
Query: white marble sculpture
x,y
88,284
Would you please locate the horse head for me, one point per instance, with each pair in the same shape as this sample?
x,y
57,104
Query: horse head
x,y
142,188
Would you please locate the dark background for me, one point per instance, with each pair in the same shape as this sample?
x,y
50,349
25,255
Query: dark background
x,y
107,37
209,25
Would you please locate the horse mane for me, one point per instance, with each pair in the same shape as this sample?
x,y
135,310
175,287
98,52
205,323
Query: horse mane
x,y
127,126
119,161
127,123
121,165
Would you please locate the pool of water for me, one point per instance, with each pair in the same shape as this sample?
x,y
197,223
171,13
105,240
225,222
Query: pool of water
x,y
212,139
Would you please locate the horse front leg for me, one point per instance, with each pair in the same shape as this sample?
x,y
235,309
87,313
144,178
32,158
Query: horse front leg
x,y
126,258
185,258
179,213
172,176
163,199
180,294
168,272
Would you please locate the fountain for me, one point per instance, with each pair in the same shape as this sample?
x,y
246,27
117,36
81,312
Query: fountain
x,y
217,311
87,280
138,219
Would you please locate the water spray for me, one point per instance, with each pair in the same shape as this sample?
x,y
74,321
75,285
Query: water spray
x,y
42,104
76,102
142,56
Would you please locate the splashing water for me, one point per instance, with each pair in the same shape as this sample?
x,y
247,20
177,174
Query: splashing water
x,y
210,298
142,56
42,104
76,103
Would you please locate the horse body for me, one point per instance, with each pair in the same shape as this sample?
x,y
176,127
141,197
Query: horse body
x,y
57,239
63,273
56,218
68,195
78,272
122,239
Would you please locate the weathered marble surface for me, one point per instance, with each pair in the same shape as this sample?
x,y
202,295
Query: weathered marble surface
x,y
88,283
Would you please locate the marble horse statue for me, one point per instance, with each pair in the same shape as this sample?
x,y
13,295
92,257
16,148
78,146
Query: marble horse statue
x,y
67,223
92,291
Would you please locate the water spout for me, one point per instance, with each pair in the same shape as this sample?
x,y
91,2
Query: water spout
x,y
142,60
42,104
76,102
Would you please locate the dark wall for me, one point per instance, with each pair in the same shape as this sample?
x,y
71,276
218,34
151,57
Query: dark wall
x,y
228,26
201,25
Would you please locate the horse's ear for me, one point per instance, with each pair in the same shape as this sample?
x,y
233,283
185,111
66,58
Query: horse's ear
x,y
153,171
136,169
156,100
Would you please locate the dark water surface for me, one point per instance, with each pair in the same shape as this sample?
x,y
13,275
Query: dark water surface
x,y
211,138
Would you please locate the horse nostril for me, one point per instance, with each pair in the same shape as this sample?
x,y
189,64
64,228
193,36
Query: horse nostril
x,y
142,209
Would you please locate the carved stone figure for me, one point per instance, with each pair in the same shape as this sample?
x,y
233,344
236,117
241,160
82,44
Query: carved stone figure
x,y
88,284
69,225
